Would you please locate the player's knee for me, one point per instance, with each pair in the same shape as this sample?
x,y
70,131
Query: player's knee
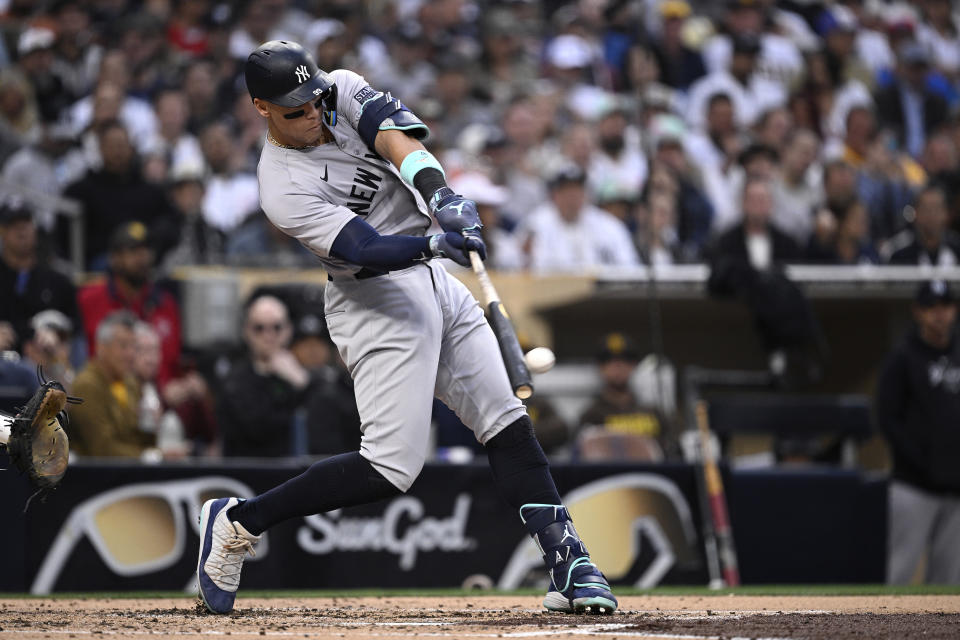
x,y
518,432
516,447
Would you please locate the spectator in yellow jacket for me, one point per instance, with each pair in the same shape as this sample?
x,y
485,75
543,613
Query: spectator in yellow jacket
x,y
107,423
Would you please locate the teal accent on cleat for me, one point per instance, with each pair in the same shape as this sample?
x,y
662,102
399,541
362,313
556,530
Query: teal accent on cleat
x,y
576,584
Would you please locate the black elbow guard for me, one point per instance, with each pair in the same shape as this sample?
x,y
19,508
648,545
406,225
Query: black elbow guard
x,y
386,112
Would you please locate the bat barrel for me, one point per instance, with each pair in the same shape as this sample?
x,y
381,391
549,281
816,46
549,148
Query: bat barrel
x,y
517,371
510,349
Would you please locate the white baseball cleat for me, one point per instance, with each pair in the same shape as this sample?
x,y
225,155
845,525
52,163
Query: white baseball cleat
x,y
223,547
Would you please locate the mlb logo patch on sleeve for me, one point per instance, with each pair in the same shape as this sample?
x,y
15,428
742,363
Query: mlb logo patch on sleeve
x,y
364,94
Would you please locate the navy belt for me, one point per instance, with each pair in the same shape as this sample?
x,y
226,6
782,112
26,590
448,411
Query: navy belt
x,y
363,274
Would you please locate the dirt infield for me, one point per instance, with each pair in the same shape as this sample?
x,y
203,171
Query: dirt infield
x,y
650,617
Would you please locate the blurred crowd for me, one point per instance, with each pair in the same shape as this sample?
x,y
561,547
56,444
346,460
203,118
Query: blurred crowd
x,y
591,134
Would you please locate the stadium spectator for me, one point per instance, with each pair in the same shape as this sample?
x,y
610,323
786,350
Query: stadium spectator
x,y
616,425
201,87
508,66
116,195
129,285
671,172
930,242
18,380
47,346
750,91
187,28
757,241
107,99
839,184
718,141
680,66
144,48
907,105
107,423
617,168
172,141
453,88
756,161
47,167
155,417
939,33
503,247
569,234
77,51
332,419
19,119
658,241
232,195
871,42
713,151
249,132
135,113
198,242
35,61
941,162
860,132
327,39
838,26
511,151
773,129
918,407
778,58
845,239
413,75
26,286
886,184
797,187
259,396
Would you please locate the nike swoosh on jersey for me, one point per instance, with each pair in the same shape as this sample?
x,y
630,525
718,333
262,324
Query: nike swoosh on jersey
x,y
324,176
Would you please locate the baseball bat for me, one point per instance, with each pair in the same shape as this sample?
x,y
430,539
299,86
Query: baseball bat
x,y
720,517
499,320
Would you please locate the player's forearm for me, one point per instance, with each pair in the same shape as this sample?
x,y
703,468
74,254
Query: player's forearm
x,y
417,166
396,145
359,243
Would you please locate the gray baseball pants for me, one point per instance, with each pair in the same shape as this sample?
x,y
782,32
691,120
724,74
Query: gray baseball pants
x,y
922,526
406,337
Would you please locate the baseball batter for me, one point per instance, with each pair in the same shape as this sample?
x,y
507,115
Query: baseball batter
x,y
343,172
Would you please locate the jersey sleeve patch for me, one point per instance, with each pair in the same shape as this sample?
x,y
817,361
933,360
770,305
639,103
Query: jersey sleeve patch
x,y
364,94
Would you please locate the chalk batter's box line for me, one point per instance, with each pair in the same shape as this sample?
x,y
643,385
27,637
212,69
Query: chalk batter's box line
x,y
592,630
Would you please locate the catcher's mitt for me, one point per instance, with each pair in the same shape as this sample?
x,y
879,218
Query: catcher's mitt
x,y
37,444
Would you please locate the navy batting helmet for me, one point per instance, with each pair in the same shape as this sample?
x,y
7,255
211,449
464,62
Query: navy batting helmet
x,y
284,73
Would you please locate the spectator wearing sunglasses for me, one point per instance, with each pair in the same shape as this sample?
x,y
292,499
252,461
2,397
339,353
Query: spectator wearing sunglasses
x,y
261,393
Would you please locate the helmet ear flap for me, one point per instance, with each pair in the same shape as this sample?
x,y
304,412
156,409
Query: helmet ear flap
x,y
330,106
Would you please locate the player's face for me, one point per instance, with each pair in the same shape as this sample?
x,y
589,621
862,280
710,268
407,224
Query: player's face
x,y
295,126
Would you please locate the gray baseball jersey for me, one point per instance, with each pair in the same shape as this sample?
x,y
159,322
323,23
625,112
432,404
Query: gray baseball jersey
x,y
405,336
312,193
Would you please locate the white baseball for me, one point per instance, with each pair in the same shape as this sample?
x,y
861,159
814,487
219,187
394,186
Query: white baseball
x,y
540,360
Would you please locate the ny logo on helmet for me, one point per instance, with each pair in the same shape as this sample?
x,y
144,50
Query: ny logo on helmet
x,y
302,73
